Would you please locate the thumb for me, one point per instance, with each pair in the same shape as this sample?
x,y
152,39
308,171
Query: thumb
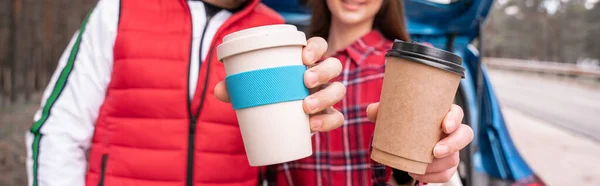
x,y
221,92
372,111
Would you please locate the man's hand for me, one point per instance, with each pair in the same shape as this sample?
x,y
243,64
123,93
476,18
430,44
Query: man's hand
x,y
320,104
446,150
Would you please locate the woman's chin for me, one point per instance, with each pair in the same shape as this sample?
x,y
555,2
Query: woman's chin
x,y
349,19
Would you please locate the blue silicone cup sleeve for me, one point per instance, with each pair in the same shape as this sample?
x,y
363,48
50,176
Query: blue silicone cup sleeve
x,y
267,86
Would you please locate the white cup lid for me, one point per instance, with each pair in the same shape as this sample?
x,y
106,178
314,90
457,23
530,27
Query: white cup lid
x,y
259,38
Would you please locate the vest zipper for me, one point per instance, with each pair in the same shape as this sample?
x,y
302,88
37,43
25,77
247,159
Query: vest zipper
x,y
194,117
102,169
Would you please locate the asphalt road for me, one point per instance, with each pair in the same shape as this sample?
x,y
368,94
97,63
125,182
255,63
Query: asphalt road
x,y
561,101
554,123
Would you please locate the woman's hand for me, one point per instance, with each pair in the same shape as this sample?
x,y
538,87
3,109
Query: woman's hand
x,y
319,104
446,151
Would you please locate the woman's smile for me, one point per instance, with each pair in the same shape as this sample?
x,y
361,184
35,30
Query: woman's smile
x,y
352,5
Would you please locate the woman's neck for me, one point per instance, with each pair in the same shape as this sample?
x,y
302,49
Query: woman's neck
x,y
341,35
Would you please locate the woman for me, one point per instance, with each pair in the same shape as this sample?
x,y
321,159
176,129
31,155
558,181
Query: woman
x,y
359,32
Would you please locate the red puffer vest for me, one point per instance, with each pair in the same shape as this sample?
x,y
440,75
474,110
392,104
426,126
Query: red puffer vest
x,y
146,133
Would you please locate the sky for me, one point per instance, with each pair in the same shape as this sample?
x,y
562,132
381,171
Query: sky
x,y
589,4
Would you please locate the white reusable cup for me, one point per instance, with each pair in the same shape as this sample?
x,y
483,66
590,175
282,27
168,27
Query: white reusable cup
x,y
265,81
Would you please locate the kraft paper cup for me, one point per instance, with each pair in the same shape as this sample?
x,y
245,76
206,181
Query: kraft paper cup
x,y
418,89
265,79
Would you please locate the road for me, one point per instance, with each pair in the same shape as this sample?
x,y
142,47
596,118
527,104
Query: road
x,y
554,100
555,124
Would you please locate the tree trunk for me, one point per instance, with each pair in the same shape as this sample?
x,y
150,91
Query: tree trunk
x,y
49,33
12,43
5,46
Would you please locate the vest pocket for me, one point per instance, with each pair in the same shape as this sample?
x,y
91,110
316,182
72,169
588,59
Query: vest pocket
x,y
102,169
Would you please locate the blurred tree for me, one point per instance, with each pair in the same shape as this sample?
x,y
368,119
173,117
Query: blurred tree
x,y
33,35
6,43
592,45
547,30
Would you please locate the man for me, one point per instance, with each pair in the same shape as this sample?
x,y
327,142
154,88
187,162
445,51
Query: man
x,y
136,89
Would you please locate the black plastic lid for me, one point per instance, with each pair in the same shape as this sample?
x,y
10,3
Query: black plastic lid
x,y
427,55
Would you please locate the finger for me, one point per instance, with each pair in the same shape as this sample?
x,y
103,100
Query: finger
x,y
453,142
438,177
324,98
453,119
330,120
314,50
221,92
322,73
372,111
442,164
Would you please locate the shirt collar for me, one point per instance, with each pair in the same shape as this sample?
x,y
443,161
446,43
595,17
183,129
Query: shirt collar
x,y
361,48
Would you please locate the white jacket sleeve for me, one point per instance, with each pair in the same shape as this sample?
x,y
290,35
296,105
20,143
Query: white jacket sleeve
x,y
63,126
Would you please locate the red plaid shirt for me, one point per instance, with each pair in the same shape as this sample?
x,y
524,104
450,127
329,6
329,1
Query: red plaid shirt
x,y
342,157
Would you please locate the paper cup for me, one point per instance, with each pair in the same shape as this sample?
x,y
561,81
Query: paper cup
x,y
265,79
419,85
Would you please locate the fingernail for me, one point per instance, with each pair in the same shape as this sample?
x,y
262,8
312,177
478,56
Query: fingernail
x,y
440,150
449,125
312,103
311,78
316,124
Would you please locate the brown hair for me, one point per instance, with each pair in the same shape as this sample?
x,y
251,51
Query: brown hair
x,y
389,20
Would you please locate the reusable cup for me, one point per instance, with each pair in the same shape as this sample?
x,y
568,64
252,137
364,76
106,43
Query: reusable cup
x,y
265,79
419,85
